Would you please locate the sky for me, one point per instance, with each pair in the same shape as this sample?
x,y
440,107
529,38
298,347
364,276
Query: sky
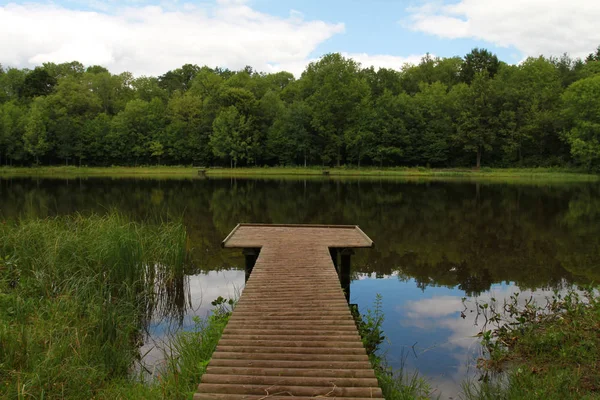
x,y
149,37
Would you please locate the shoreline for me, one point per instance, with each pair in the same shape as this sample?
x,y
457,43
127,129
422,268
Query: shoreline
x,y
397,172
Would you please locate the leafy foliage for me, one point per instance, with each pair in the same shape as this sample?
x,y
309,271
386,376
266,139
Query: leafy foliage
x,y
551,351
443,112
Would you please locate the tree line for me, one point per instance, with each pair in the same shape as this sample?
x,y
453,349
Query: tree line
x,y
443,112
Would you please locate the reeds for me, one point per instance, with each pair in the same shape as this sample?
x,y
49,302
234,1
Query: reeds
x,y
75,296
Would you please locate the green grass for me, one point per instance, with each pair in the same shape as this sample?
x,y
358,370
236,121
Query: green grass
x,y
556,174
75,296
547,352
186,358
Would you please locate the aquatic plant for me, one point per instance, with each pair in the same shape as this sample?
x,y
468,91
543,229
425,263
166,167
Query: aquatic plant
x,y
75,296
547,350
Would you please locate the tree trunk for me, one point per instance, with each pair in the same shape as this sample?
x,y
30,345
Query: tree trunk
x,y
304,158
478,157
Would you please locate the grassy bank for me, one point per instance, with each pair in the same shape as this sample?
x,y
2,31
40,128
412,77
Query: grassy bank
x,y
547,352
76,294
561,174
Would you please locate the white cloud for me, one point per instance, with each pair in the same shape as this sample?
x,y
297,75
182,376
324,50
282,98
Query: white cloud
x,y
384,61
443,312
366,60
152,40
439,306
534,27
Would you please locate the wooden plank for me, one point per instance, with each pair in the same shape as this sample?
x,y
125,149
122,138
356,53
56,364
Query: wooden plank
x,y
291,334
256,235
230,235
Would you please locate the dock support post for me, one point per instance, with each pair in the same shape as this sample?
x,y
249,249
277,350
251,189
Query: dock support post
x,y
344,271
251,254
334,257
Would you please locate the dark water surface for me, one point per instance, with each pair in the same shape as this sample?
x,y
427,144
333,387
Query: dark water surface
x,y
435,244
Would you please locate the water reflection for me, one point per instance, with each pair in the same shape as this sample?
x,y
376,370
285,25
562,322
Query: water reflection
x,y
435,242
426,331
202,289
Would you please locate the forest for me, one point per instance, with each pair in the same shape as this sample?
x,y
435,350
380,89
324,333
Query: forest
x,y
469,111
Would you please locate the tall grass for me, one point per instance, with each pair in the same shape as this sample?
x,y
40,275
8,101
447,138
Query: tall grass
x,y
186,357
75,295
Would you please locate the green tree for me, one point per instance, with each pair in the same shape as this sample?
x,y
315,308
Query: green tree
x,y
35,139
333,89
232,137
156,149
206,83
96,142
134,128
278,81
431,70
477,62
581,108
96,69
390,134
289,138
529,104
71,104
114,91
477,118
38,83
438,112
186,139
11,84
147,88
68,69
593,57
360,135
381,80
568,69
269,107
179,79
12,127
430,125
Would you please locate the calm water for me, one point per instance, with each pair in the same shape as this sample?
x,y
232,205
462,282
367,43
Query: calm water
x,y
435,243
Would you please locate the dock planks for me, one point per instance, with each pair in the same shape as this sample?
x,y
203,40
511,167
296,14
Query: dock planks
x,y
291,333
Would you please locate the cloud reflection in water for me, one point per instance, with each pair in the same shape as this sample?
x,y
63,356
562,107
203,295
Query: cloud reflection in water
x,y
428,332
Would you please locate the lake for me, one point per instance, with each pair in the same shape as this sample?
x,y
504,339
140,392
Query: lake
x,y
441,247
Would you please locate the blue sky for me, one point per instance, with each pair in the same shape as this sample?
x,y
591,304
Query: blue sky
x,y
151,37
377,27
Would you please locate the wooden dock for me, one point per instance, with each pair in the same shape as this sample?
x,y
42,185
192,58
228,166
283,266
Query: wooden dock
x,y
291,333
